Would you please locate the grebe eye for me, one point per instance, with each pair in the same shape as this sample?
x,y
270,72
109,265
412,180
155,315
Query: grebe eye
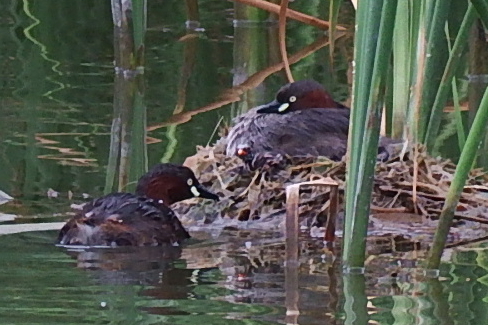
x,y
292,99
189,182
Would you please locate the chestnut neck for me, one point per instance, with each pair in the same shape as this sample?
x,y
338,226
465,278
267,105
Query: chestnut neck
x,y
316,99
168,188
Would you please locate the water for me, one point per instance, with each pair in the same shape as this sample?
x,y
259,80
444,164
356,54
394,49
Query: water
x,y
221,280
56,103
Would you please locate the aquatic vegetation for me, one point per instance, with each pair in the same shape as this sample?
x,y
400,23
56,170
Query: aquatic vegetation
x,y
258,197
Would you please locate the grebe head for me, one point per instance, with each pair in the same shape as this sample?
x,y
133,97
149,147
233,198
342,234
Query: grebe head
x,y
172,183
300,95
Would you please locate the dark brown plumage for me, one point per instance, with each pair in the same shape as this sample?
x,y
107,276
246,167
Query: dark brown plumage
x,y
141,219
315,132
302,120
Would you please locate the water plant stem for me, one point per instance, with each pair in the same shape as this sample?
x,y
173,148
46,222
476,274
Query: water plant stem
x,y
482,9
446,81
463,168
373,45
434,64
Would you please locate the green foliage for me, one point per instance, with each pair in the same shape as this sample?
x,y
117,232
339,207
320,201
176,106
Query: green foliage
x,y
420,84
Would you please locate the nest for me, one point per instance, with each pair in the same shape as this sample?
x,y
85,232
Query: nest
x,y
258,197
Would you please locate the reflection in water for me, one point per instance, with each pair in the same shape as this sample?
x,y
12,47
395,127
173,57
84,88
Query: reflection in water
x,y
126,265
235,278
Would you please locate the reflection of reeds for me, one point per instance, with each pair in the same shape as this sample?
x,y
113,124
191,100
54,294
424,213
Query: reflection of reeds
x,y
355,299
65,155
292,231
232,95
189,58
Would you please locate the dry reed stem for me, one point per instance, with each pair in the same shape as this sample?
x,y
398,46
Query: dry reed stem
x,y
274,8
291,266
282,38
417,100
293,200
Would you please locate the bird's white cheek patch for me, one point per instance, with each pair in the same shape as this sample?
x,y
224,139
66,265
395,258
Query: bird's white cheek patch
x,y
194,191
283,107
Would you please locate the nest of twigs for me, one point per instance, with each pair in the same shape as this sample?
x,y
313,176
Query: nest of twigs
x,y
258,197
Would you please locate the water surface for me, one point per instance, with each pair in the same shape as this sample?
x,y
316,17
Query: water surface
x,y
56,102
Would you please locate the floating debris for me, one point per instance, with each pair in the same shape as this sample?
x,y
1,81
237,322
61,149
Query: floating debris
x,y
7,217
52,193
4,197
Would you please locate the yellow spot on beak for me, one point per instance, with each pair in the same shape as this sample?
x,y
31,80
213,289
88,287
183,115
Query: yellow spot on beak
x,y
283,107
194,191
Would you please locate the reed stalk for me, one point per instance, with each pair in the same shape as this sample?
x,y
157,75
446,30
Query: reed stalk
x,y
460,131
481,7
375,21
446,82
468,156
127,143
401,69
436,15
139,22
138,155
356,301
334,8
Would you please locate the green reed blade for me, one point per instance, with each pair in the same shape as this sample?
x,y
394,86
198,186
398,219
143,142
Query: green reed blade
x,y
481,7
375,21
468,156
446,81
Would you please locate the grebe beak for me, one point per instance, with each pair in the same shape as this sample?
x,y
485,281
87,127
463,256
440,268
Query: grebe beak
x,y
274,107
200,191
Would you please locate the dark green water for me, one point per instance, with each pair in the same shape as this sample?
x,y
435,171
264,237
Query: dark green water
x,y
217,280
56,106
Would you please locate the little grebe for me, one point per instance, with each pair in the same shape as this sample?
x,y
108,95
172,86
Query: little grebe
x,y
308,122
314,124
141,219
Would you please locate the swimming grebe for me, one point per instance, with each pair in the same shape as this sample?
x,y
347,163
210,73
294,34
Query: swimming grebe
x,y
140,219
308,122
